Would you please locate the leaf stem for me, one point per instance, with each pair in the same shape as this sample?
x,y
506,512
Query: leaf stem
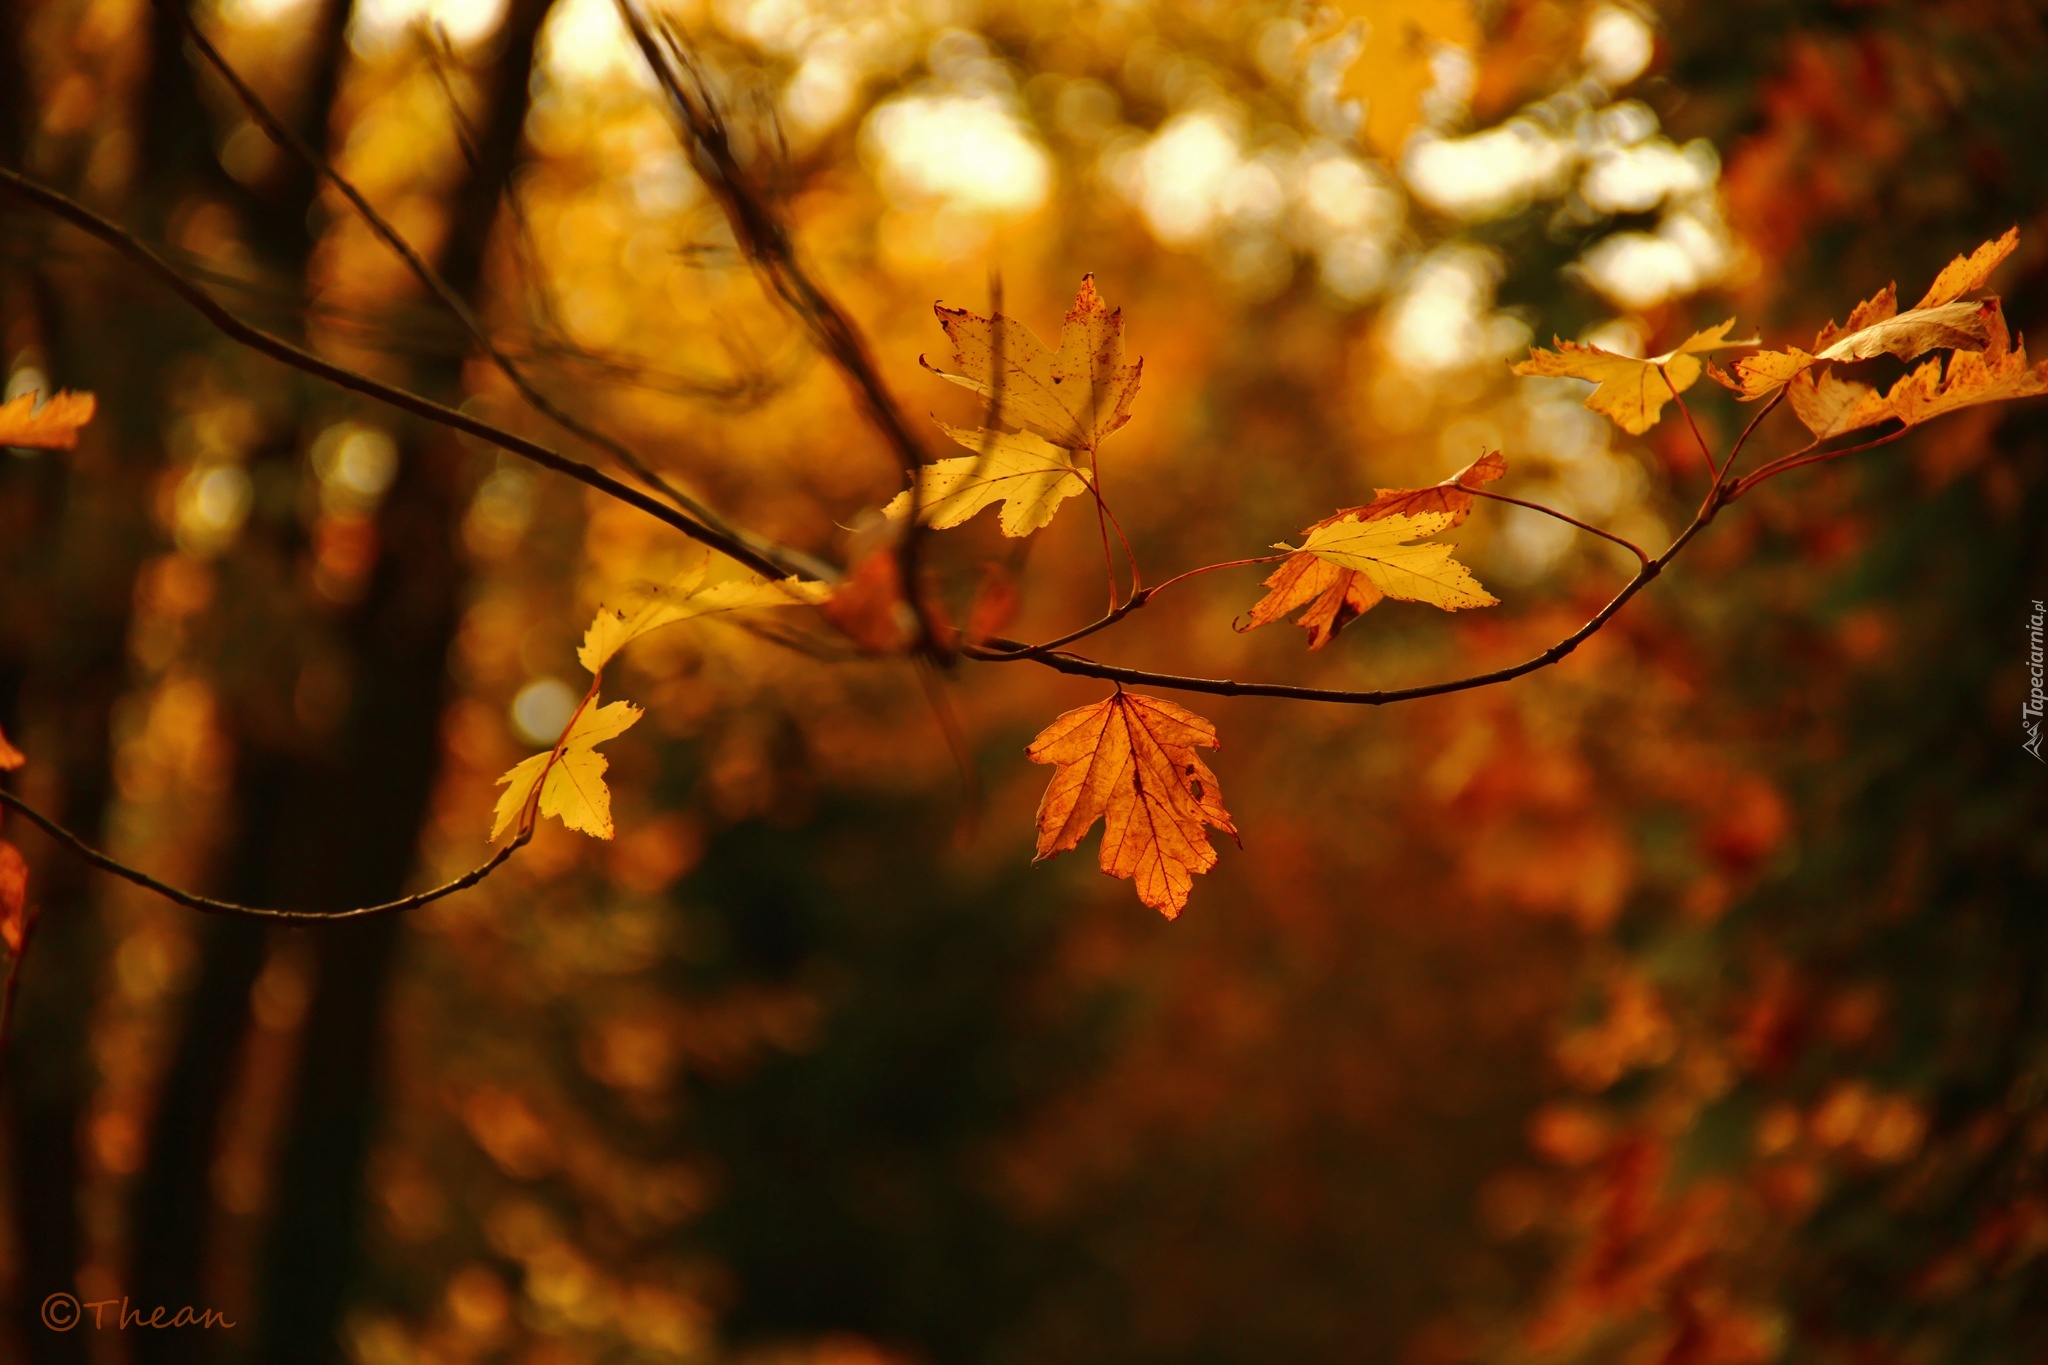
x,y
1642,557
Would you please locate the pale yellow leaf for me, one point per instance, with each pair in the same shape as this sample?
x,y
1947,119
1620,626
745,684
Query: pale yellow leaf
x,y
1073,396
1629,391
1333,596
686,598
1945,327
1876,326
1378,549
574,790
1027,474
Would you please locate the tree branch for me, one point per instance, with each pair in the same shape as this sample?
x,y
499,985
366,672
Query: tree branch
x,y
1629,545
767,243
209,905
431,279
761,556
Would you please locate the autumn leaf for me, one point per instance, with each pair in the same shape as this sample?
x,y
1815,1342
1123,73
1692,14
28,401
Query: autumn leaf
x,y
1073,396
1130,762
54,426
574,791
869,608
1394,68
1830,405
1628,391
1949,327
1334,595
1027,474
1966,274
1379,550
1939,322
10,757
13,898
1998,372
685,598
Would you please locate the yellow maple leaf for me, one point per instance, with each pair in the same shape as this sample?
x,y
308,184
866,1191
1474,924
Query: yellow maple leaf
x,y
1334,595
1073,396
1393,69
574,790
1027,474
1130,762
53,426
1629,391
685,598
1378,548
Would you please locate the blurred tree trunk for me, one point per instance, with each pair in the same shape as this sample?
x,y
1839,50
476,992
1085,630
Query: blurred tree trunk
x,y
364,818
90,530
327,822
170,1209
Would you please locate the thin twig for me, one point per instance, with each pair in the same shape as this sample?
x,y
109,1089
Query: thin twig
x,y
1009,651
1629,545
1803,457
1714,494
1137,600
1704,450
209,905
763,557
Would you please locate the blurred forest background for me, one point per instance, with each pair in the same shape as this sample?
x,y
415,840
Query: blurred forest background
x,y
1686,1003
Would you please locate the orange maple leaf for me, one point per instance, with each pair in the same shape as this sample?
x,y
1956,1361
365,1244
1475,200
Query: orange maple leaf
x,y
53,426
1335,596
1130,762
10,757
14,925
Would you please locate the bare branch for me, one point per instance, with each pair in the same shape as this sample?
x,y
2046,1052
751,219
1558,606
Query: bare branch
x,y
1705,452
1805,456
209,905
756,553
1629,545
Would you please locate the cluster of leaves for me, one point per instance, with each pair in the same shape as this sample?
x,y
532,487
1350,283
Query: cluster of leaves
x,y
1129,761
